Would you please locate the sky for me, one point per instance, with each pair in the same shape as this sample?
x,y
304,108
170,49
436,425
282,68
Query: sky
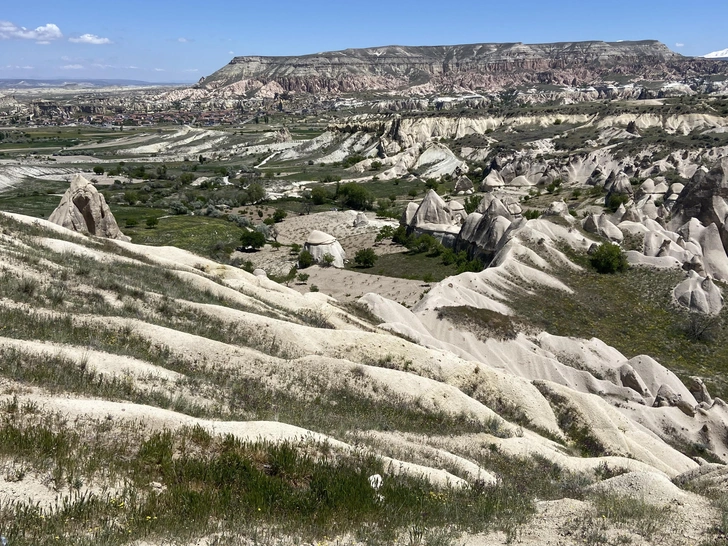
x,y
179,41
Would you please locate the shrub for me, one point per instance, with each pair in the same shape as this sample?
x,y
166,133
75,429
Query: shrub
x,y
471,203
98,170
609,258
386,232
178,208
302,277
355,196
305,259
279,215
365,257
401,237
615,200
327,260
252,240
152,222
319,195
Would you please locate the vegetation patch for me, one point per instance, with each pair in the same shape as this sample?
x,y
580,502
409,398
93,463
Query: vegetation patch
x,y
484,323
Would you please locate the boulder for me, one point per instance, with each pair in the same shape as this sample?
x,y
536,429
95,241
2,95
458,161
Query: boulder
x,y
361,220
457,211
699,294
560,209
84,209
632,380
666,397
463,186
493,180
520,182
601,225
319,244
700,391
620,184
408,215
704,198
714,259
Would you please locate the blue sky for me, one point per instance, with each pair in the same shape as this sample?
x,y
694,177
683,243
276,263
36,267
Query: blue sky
x,y
177,41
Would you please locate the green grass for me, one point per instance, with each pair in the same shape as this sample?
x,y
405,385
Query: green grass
x,y
410,265
217,484
38,206
213,237
633,312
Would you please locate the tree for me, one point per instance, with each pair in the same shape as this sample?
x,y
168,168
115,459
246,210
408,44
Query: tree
x,y
98,169
319,195
386,232
186,178
279,215
252,240
471,203
255,192
152,222
609,258
365,257
355,196
305,259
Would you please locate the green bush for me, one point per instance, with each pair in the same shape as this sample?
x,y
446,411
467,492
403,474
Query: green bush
x,y
615,200
320,195
305,259
279,215
252,239
365,257
355,197
609,258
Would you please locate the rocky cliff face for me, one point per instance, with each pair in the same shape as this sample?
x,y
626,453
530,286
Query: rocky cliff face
x,y
476,66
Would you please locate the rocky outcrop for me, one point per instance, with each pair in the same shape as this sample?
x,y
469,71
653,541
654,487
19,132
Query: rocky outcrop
x,y
699,294
84,209
321,245
704,198
601,225
474,66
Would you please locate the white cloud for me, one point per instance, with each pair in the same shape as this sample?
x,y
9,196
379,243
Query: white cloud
x,y
191,70
72,67
231,53
90,39
132,67
43,35
185,40
679,44
159,69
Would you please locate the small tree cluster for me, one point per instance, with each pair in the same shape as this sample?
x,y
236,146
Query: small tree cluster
x,y
365,257
609,258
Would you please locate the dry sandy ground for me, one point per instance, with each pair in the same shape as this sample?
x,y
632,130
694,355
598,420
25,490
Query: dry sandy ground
x,y
344,285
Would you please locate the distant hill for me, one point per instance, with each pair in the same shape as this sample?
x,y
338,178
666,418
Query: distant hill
x,y
474,66
722,54
71,83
